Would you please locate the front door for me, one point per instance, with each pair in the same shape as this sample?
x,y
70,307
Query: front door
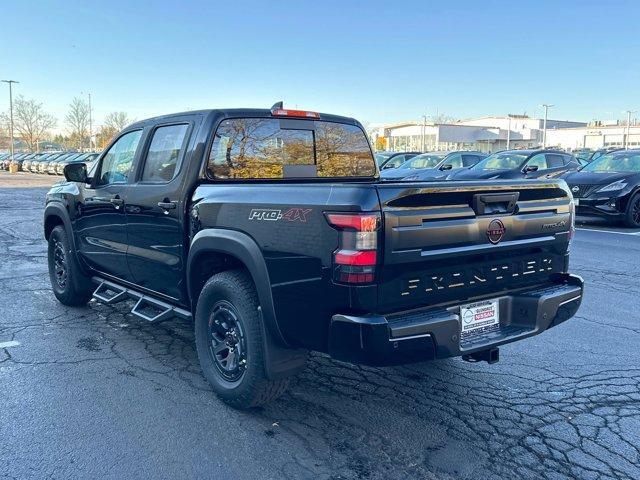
x,y
100,220
155,213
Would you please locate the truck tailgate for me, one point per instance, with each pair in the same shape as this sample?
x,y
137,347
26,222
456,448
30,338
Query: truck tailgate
x,y
446,242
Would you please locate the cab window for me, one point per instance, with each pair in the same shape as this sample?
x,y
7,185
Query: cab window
x,y
117,162
161,163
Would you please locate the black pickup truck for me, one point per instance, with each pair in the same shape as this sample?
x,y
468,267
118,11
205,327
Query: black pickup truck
x,y
271,230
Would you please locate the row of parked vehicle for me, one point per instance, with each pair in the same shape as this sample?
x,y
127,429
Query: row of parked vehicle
x,y
46,163
605,183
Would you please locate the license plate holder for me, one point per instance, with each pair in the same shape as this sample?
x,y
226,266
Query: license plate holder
x,y
479,317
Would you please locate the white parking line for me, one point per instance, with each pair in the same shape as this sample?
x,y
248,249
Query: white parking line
x,y
11,343
608,231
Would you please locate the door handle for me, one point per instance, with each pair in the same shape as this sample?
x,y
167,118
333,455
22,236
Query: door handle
x,y
168,205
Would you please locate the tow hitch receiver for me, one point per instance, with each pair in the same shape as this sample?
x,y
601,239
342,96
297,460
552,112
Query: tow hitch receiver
x,y
492,355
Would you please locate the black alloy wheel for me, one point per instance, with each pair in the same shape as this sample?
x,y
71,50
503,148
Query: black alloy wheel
x,y
228,347
60,264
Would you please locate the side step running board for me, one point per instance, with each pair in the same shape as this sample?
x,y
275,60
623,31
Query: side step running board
x,y
146,307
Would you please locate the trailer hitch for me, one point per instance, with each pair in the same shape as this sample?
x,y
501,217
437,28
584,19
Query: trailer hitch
x,y
491,355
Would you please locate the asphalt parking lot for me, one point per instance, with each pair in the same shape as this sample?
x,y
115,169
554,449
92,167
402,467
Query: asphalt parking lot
x,y
92,392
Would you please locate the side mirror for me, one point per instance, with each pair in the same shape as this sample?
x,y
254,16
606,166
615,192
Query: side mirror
x,y
76,172
448,166
530,168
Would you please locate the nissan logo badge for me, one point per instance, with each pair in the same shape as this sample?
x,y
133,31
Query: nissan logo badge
x,y
495,232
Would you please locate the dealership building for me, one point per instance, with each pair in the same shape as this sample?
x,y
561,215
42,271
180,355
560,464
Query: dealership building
x,y
486,134
595,137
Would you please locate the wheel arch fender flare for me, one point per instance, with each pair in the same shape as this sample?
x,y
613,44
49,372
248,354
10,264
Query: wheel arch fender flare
x,y
246,250
281,360
57,210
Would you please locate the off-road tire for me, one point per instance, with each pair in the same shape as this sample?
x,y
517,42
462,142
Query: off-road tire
x,y
253,388
633,210
76,289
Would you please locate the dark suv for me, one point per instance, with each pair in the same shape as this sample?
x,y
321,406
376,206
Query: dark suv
x,y
609,187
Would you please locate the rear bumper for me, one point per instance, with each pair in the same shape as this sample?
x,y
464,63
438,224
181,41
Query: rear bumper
x,y
435,333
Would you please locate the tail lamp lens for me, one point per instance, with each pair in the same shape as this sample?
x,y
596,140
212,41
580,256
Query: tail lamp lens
x,y
356,258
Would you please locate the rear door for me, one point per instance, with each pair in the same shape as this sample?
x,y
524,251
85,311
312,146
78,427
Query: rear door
x,y
155,210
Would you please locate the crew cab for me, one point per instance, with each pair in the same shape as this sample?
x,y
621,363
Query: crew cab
x,y
271,231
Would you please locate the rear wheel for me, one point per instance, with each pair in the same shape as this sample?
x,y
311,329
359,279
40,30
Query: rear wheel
x,y
70,286
633,212
229,340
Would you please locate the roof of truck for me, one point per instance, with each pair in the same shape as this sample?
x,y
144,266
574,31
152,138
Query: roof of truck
x,y
241,112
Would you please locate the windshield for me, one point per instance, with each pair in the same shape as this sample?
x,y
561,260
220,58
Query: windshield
x,y
614,163
381,157
499,161
423,161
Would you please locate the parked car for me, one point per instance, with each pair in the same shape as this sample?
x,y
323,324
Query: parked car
x,y
269,260
609,187
602,151
519,164
38,157
52,159
17,157
43,166
87,158
387,160
2,157
449,163
26,161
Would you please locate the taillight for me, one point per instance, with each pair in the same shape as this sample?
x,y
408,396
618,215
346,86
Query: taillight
x,y
356,258
572,226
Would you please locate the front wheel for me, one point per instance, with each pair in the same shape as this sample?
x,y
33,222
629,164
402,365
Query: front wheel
x,y
229,341
70,286
633,212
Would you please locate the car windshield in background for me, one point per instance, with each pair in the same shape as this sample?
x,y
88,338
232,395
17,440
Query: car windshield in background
x,y
423,161
257,148
501,161
614,163
381,158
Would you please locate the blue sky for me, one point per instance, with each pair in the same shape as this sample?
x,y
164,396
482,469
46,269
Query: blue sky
x,y
377,61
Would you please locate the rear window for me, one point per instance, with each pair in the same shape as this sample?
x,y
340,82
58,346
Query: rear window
x,y
268,148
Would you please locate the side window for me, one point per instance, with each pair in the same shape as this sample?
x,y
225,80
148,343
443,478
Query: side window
x,y
470,160
554,161
454,160
397,161
117,162
164,151
539,161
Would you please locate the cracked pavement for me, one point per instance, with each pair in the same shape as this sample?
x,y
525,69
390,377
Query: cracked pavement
x,y
92,392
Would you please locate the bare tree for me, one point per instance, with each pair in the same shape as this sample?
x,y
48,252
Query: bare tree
x,y
78,121
113,123
117,120
30,122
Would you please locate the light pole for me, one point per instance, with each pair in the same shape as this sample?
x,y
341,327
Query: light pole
x,y
90,122
424,131
10,82
546,106
626,138
509,134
